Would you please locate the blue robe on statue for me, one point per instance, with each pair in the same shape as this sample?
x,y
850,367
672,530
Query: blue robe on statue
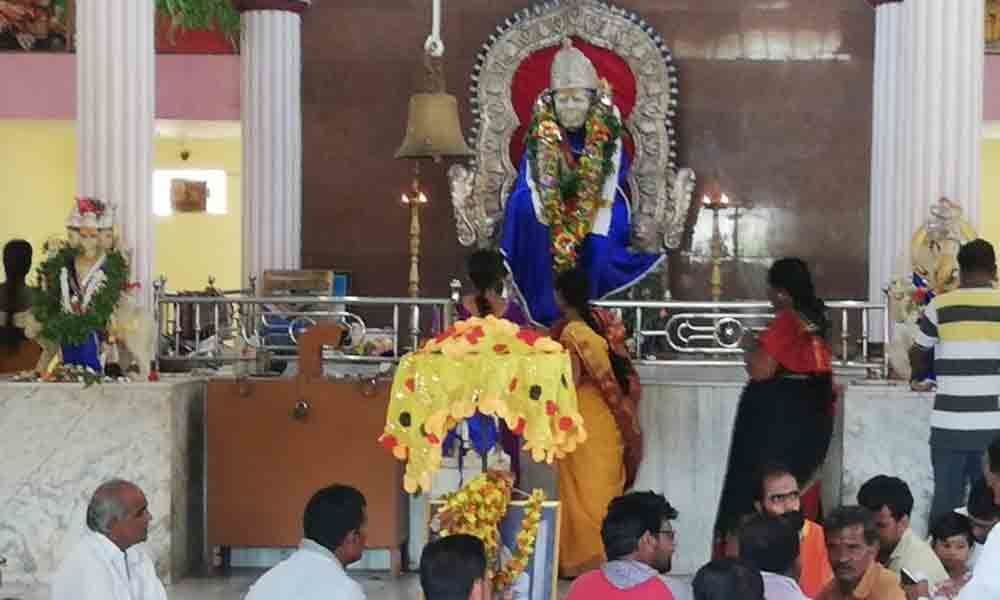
x,y
604,254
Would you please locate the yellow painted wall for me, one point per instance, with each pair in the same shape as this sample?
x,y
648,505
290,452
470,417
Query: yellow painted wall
x,y
989,208
37,179
38,182
192,247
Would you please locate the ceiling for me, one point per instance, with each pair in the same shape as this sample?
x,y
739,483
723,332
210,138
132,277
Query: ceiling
x,y
197,130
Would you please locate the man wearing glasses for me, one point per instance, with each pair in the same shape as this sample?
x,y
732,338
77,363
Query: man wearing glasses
x,y
639,543
778,496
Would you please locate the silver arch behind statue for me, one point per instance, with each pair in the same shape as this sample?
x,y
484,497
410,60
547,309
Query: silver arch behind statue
x,y
661,191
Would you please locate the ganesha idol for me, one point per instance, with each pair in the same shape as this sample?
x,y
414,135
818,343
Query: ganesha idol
x,y
575,152
934,271
84,309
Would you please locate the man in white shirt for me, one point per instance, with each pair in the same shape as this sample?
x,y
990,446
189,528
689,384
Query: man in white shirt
x,y
107,564
771,543
335,533
899,548
985,582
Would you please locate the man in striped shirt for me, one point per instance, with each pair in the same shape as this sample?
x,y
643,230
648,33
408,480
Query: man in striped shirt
x,y
962,330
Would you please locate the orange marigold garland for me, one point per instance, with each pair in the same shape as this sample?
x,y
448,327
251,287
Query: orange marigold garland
x,y
478,508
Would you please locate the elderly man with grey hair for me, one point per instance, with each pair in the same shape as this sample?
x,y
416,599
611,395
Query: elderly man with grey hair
x,y
107,564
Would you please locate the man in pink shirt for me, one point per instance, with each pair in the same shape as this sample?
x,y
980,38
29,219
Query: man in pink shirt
x,y
639,542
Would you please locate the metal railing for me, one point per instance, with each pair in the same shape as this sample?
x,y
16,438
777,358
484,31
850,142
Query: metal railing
x,y
710,333
220,328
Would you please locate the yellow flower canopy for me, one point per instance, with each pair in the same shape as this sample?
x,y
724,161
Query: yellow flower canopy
x,y
485,364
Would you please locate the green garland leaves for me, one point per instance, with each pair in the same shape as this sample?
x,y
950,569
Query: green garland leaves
x,y
65,328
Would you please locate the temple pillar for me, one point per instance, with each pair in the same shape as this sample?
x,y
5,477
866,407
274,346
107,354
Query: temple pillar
x,y
115,107
271,98
927,117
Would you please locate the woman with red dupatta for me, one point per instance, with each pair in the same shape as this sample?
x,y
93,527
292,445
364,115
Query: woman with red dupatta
x,y
607,388
785,415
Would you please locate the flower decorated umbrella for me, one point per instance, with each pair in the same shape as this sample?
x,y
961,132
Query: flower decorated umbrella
x,y
489,365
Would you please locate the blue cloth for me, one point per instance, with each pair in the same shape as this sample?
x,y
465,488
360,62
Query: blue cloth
x,y
526,244
482,434
87,354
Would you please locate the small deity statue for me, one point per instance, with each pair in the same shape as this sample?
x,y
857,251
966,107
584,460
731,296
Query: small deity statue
x,y
568,207
934,271
83,286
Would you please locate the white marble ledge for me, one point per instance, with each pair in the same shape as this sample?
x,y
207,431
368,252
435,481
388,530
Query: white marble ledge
x,y
163,384
59,441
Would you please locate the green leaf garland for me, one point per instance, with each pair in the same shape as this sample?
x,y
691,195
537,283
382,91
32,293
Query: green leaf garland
x,y
65,328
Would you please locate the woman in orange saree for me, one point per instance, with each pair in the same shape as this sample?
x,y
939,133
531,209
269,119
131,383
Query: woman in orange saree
x,y
607,387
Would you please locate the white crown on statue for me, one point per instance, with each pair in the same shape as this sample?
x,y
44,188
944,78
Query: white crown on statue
x,y
572,69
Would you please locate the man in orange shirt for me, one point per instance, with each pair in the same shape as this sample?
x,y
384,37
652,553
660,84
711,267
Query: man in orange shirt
x,y
778,494
852,543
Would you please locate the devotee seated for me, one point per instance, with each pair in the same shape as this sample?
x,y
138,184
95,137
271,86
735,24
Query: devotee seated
x,y
335,535
639,542
983,514
771,543
890,499
985,582
454,568
107,564
778,493
952,541
728,579
17,353
852,542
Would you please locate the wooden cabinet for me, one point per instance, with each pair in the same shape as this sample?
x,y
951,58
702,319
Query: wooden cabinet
x,y
271,443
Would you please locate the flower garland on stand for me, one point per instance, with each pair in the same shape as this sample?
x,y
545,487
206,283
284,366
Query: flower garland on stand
x,y
478,508
571,191
66,328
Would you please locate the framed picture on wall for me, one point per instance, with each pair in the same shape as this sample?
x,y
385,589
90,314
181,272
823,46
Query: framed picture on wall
x,y
992,26
540,579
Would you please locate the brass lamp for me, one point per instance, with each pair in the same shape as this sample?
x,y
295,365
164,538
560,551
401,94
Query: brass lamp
x,y
432,131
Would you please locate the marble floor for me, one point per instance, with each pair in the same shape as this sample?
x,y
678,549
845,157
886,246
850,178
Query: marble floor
x,y
378,586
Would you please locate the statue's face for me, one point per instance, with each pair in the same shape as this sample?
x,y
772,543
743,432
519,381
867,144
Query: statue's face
x,y
89,243
571,107
73,237
106,239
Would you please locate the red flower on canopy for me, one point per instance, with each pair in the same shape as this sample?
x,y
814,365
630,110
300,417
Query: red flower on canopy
x,y
528,336
388,441
551,408
519,427
410,385
566,423
474,334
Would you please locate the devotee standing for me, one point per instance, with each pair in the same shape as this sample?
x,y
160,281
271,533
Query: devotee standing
x,y
487,272
852,543
957,327
778,495
890,500
951,539
454,568
985,582
335,535
772,545
785,414
983,514
17,353
107,564
607,389
639,542
728,579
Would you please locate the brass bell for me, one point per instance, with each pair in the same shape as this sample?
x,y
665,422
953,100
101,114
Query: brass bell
x,y
433,129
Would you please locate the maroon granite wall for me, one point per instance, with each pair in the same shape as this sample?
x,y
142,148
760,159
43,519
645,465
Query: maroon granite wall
x,y
775,104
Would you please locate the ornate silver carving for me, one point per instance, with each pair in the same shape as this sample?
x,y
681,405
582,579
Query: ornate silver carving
x,y
661,193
